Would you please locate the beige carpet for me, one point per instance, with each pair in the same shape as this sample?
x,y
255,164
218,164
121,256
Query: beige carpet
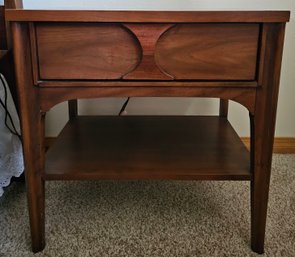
x,y
142,218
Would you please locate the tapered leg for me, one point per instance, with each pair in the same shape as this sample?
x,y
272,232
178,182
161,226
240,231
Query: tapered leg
x,y
262,132
73,108
258,216
35,191
36,210
32,125
261,165
34,165
223,108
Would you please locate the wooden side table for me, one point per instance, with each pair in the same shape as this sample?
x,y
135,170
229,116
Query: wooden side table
x,y
70,54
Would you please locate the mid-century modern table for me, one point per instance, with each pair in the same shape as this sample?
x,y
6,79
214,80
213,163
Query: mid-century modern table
x,y
64,55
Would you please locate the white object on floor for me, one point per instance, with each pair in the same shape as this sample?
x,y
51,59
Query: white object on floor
x,y
11,155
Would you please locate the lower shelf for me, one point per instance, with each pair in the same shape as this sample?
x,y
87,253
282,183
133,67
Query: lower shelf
x,y
148,147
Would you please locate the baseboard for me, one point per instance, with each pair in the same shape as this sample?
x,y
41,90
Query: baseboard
x,y
282,145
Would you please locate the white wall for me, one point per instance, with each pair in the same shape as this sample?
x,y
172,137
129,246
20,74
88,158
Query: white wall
x,y
57,117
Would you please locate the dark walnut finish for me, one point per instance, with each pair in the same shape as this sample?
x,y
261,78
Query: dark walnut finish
x,y
148,36
67,55
148,16
147,51
86,51
183,148
209,51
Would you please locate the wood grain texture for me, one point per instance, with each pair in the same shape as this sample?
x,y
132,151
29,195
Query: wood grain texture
x,y
148,35
282,145
32,124
52,96
110,52
209,51
262,132
86,51
34,52
148,148
149,16
262,54
10,4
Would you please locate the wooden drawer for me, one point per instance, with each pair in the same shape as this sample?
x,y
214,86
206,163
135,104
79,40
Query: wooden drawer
x,y
85,51
95,51
209,51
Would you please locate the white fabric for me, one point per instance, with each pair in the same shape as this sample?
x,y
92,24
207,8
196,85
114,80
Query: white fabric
x,y
11,156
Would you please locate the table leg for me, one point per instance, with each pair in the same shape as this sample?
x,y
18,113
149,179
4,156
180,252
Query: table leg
x,y
263,129
261,166
34,153
73,108
223,108
32,123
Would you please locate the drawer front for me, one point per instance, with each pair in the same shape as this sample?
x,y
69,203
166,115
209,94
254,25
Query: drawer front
x,y
209,52
86,51
147,51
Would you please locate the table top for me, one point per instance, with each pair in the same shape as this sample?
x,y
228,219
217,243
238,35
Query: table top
x,y
153,11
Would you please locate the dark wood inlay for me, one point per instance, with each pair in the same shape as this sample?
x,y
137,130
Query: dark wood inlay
x,y
148,35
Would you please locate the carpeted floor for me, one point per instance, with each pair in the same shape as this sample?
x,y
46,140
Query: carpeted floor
x,y
154,218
